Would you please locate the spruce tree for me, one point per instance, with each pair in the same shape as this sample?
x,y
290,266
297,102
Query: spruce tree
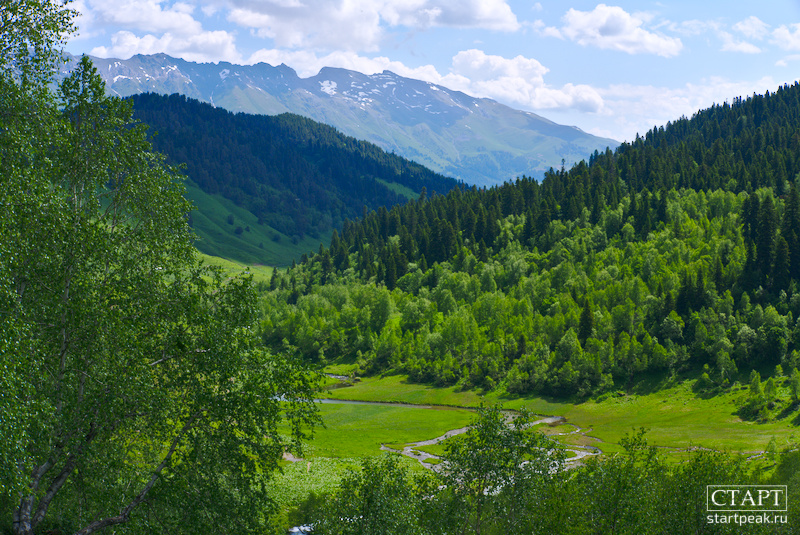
x,y
765,239
586,322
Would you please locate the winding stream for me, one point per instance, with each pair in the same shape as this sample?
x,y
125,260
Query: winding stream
x,y
432,462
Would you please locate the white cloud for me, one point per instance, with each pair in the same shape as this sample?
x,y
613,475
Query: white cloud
x,y
729,44
486,14
209,10
144,15
784,62
632,109
517,81
477,65
202,47
84,21
315,23
611,27
787,37
154,26
752,28
361,24
546,31
693,27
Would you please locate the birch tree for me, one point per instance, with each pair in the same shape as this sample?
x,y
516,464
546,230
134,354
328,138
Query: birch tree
x,y
137,391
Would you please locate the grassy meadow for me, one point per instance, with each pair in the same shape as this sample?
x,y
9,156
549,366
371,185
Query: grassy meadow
x,y
216,220
359,430
676,416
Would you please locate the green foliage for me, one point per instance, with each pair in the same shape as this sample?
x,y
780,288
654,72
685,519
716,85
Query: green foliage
x,y
30,34
651,270
379,499
795,385
483,488
756,391
623,489
495,468
135,373
507,319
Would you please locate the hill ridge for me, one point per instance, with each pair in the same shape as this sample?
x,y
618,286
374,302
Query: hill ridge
x,y
267,181
477,140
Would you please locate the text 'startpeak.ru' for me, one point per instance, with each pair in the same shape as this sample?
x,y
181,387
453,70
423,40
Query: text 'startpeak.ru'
x,y
746,504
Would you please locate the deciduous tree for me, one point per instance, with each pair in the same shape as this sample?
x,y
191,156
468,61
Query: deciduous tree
x,y
137,370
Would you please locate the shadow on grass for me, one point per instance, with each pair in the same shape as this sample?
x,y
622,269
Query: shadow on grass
x,y
751,412
796,420
649,383
788,410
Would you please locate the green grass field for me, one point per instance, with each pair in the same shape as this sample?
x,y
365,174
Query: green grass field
x,y
396,389
254,243
355,431
261,274
676,417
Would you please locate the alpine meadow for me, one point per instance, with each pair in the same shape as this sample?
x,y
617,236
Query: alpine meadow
x,y
612,347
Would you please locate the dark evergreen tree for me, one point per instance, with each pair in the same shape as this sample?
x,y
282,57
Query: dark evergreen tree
x,y
790,231
781,271
586,322
765,239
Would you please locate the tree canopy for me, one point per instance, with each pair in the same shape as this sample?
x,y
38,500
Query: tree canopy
x,y
674,253
135,389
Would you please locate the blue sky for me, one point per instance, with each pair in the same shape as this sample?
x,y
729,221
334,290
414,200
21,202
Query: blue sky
x,y
611,69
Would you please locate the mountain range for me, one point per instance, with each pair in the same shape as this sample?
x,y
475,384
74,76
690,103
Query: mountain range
x,y
476,140
269,188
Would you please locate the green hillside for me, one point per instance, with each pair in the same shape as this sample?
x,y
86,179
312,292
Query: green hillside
x,y
269,189
676,255
216,219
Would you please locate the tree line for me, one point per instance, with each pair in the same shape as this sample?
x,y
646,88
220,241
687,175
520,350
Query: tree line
x,y
676,252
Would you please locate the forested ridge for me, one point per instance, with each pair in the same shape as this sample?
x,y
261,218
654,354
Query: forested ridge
x,y
294,174
678,251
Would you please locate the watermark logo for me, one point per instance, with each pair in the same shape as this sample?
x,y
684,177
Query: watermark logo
x,y
746,498
746,504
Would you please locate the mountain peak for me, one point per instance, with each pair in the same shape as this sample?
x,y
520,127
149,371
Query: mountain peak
x,y
477,140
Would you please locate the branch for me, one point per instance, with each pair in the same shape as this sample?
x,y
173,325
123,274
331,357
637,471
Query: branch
x,y
124,515
170,357
61,478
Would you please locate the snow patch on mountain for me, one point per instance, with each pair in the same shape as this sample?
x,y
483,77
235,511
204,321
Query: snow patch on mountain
x,y
392,111
328,86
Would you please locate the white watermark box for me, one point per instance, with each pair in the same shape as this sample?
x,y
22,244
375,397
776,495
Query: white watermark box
x,y
746,498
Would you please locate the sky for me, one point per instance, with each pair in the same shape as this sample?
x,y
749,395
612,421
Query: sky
x,y
613,70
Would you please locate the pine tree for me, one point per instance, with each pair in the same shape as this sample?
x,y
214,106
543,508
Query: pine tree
x,y
781,274
790,230
755,385
765,239
586,322
528,229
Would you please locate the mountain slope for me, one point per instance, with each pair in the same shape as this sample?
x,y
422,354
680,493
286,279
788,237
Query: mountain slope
x,y
475,140
676,256
269,188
